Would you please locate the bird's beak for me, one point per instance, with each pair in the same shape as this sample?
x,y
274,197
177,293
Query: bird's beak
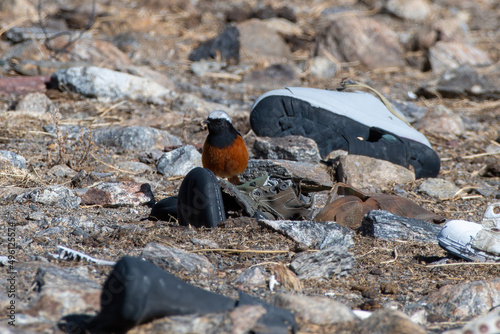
x,y
206,121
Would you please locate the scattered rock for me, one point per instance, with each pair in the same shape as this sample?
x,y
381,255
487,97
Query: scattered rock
x,y
464,81
273,77
105,83
133,166
390,322
316,235
442,121
315,310
410,110
35,102
116,194
59,196
23,85
205,243
177,260
334,260
462,302
370,174
63,291
16,160
295,148
438,188
179,161
226,46
253,276
259,43
417,10
362,39
323,67
62,171
385,225
311,176
135,138
445,56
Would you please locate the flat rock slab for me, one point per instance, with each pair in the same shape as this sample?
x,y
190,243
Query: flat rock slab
x,y
116,194
317,235
295,148
54,195
385,225
175,260
102,82
179,161
312,176
372,174
316,310
461,302
23,85
334,260
135,138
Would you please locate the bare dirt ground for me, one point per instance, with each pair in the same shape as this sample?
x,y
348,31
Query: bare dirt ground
x,y
403,264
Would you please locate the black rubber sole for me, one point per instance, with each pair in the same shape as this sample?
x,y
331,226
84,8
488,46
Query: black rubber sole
x,y
278,116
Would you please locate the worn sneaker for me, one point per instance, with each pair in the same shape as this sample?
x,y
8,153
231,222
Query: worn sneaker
x,y
271,197
470,241
356,122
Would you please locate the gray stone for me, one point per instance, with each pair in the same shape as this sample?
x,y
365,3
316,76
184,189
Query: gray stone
x,y
315,310
133,166
117,194
334,260
323,67
135,138
374,175
273,77
15,159
259,43
410,110
390,322
416,10
253,276
202,67
311,176
295,148
363,39
35,102
62,171
67,131
461,302
317,235
385,225
59,196
442,121
179,161
445,56
464,81
66,290
438,188
105,83
177,260
205,243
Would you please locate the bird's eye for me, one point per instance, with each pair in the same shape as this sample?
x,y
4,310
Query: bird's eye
x,y
218,122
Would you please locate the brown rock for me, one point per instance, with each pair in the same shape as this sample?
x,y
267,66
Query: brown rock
x,y
115,194
390,322
361,39
365,173
23,85
449,55
316,310
260,44
442,121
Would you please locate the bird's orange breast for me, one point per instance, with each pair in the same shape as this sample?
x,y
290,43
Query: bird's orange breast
x,y
227,161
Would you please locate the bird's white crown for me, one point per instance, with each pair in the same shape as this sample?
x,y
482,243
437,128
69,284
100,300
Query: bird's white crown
x,y
219,114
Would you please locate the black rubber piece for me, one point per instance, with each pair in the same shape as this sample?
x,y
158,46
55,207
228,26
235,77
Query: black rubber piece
x,y
200,200
165,209
278,116
138,291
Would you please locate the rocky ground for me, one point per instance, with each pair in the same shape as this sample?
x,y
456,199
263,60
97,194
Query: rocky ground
x,y
437,59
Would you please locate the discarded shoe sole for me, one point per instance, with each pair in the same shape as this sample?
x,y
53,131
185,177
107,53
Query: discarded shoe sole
x,y
356,122
200,199
470,241
347,206
138,291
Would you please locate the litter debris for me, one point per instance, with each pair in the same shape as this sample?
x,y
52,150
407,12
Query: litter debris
x,y
69,254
